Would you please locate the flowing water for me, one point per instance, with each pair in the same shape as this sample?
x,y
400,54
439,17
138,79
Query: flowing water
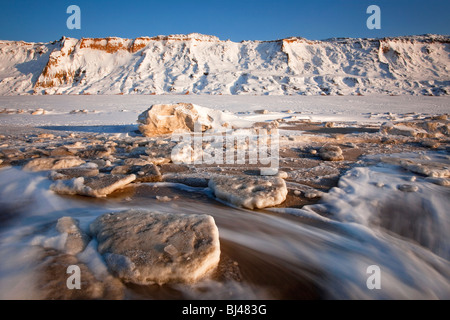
x,y
265,254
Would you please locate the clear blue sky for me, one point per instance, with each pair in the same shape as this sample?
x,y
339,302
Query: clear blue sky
x,y
42,21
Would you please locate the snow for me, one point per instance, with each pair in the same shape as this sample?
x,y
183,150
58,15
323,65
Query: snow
x,y
201,64
111,119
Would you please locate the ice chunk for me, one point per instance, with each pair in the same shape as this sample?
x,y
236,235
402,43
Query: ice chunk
x,y
425,167
51,279
184,117
145,247
168,118
331,153
41,164
76,239
99,186
69,173
249,191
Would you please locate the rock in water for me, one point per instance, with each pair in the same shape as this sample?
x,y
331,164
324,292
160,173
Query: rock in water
x,y
146,247
250,191
168,118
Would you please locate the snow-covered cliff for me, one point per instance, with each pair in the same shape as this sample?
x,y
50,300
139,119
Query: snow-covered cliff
x,y
201,64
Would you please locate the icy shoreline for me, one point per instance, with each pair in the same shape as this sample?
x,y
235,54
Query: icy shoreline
x,y
339,216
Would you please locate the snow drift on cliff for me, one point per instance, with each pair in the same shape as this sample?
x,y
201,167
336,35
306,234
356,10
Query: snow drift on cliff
x,y
201,64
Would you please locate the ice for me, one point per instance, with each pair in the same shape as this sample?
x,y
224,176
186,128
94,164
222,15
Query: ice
x,y
69,173
77,239
99,186
331,153
379,197
421,166
389,213
249,192
147,247
162,119
41,164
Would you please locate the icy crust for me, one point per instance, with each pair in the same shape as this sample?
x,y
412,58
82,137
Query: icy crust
x,y
99,186
248,191
145,247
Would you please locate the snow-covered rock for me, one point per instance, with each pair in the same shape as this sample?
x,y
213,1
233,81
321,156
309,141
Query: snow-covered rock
x,y
249,191
145,247
180,117
169,118
98,186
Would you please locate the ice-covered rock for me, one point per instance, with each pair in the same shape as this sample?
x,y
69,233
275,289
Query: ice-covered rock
x,y
145,247
249,191
403,130
76,239
98,186
162,119
331,153
42,164
168,118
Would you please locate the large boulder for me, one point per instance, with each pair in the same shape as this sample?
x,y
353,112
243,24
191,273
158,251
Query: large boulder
x,y
250,191
169,118
146,247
